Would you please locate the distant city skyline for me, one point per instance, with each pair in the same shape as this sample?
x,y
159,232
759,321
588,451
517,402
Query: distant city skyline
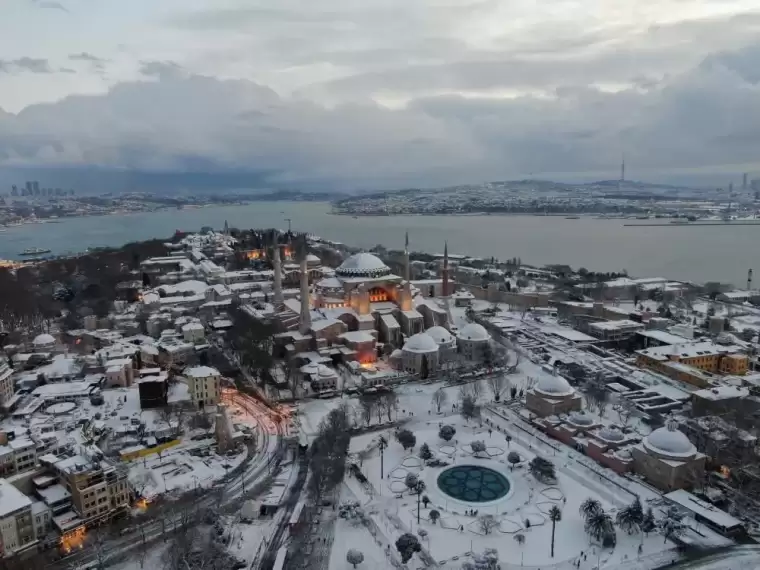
x,y
386,94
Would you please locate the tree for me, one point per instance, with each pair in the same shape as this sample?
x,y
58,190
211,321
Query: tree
x,y
424,368
542,469
589,508
487,523
419,488
625,409
425,501
555,515
446,432
425,453
520,539
468,408
354,557
478,447
599,526
630,517
648,523
369,403
488,560
513,458
388,402
597,395
497,383
407,545
439,399
411,481
406,438
434,515
508,438
671,525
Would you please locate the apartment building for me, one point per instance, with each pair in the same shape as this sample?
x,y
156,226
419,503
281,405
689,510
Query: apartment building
x,y
16,521
205,385
6,383
98,489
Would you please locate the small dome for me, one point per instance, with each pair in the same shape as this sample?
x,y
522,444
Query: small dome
x,y
421,342
43,340
554,386
440,335
397,353
311,258
581,419
325,372
473,331
363,265
669,441
611,434
329,283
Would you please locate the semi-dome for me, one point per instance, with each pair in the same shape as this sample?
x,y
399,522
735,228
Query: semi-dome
x,y
669,441
397,353
440,335
554,386
611,434
43,339
581,419
325,372
329,283
363,265
473,331
313,259
421,342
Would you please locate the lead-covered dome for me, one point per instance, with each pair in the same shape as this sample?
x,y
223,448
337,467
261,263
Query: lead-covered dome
x,y
43,340
363,265
554,386
440,335
669,441
421,342
581,419
611,434
473,331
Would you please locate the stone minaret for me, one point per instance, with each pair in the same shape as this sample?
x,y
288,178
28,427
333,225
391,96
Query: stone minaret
x,y
277,267
301,252
445,272
406,292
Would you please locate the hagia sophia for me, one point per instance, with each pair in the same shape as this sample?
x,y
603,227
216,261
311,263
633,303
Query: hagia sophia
x,y
361,312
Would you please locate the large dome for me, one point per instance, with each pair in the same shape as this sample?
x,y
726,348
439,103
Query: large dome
x,y
421,342
554,386
473,331
363,265
440,335
669,441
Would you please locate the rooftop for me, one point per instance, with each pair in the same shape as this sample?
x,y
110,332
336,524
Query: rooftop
x,y
11,499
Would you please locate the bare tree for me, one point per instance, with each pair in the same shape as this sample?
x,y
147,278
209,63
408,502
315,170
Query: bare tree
x,y
439,399
498,384
625,409
476,389
487,523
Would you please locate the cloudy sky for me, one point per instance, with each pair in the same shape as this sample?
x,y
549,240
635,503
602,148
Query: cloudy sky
x,y
383,93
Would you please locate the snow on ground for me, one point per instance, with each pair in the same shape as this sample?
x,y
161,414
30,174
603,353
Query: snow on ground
x,y
180,470
352,534
527,500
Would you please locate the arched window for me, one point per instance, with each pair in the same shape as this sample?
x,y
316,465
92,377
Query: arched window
x,y
378,295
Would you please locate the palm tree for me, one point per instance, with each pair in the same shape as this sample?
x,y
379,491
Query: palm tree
x,y
599,526
520,538
555,515
590,507
629,518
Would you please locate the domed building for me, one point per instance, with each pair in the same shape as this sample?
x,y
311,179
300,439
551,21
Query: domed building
x,y
668,459
43,342
473,341
447,342
420,355
368,287
551,396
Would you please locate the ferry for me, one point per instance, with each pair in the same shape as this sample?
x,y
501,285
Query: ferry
x,y
34,251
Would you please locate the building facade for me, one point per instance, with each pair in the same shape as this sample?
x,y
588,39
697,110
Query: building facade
x,y
205,385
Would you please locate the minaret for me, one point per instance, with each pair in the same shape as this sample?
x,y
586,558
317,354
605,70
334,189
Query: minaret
x,y
302,253
622,169
445,272
749,280
277,266
406,301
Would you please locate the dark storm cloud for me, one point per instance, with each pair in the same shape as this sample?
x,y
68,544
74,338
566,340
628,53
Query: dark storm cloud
x,y
709,115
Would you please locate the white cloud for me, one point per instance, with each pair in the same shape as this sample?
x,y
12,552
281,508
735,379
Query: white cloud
x,y
388,92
